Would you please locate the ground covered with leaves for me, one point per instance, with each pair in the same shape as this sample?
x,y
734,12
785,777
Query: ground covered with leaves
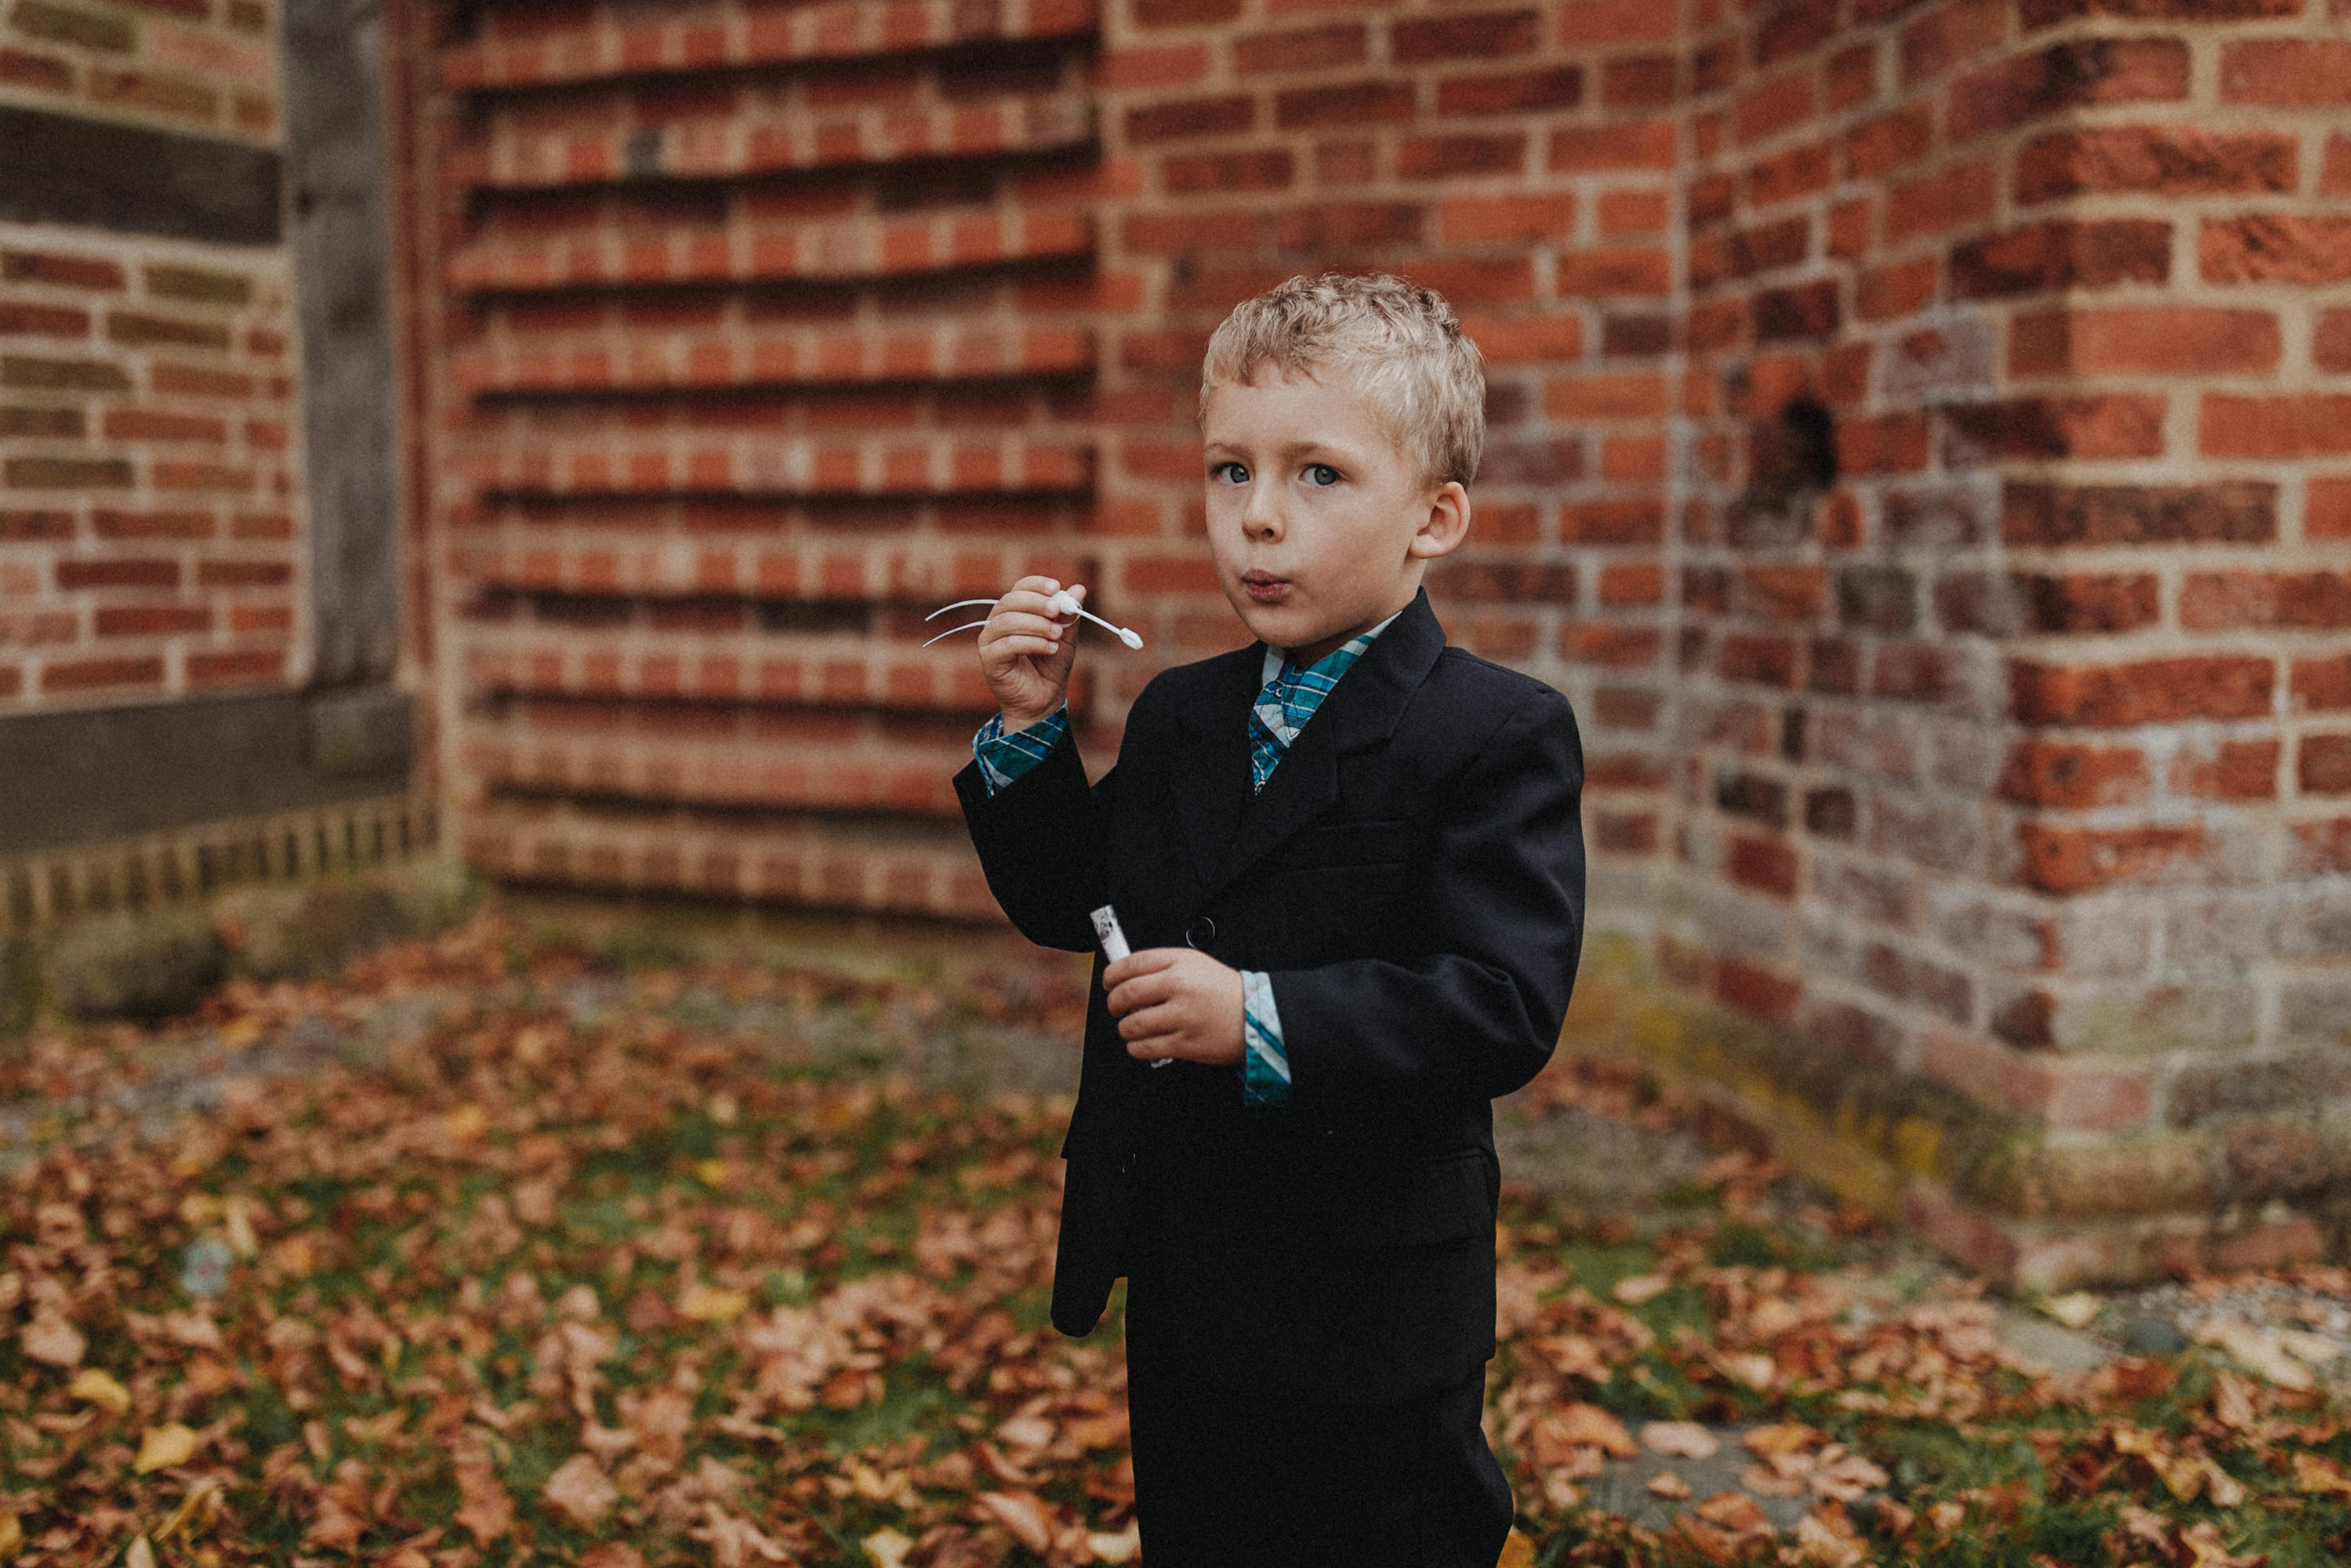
x,y
541,1285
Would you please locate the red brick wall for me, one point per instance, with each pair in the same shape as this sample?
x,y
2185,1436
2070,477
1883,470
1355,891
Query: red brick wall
x,y
2006,761
2011,763
151,506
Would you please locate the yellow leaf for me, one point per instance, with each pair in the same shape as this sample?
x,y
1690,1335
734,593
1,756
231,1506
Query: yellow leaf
x,y
2317,1473
239,1033
99,1389
1518,1552
467,1122
1591,1426
12,1534
141,1556
579,1489
711,1173
704,1303
164,1446
237,1213
888,1548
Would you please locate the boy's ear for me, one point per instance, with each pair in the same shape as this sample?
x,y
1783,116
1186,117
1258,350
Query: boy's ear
x,y
1447,524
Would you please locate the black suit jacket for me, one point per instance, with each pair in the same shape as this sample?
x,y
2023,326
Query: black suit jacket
x,y
1412,878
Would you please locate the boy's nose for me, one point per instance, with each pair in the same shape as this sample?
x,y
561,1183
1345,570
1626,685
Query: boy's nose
x,y
1261,519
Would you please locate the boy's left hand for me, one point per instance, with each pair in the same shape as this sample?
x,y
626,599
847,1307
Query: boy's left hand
x,y
1173,1001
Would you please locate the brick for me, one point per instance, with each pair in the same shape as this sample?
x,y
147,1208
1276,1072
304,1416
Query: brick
x,y
91,674
45,73
94,273
2040,14
2071,75
138,329
152,620
1176,65
1783,177
2275,247
2062,254
2307,425
2153,691
1473,37
237,668
1756,989
2166,160
2330,348
71,24
198,285
1879,146
1586,23
1766,111
1951,199
66,474
2155,339
1194,173
1889,444
1301,48
26,372
2326,514
1511,92
1348,103
1520,339
54,423
1648,212
1950,37
2321,685
1645,81
2287,73
2227,512
1882,293
1800,312
2323,765
1637,394
1190,117
2115,426
2041,772
1764,865
1792,28
19,527
1433,157
1577,149
2239,770
1184,13
1349,223
1613,274
2212,602
2080,860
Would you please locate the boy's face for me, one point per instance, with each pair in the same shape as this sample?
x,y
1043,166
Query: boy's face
x,y
1320,524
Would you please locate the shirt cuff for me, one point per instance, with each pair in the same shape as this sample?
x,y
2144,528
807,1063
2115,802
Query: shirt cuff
x,y
1265,1065
1005,757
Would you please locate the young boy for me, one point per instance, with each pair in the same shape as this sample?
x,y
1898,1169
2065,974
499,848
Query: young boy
x,y
1350,861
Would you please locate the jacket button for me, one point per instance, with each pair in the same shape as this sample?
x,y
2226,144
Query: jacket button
x,y
1200,933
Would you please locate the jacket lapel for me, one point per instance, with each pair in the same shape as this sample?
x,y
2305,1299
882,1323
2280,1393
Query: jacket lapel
x,y
1215,792
1361,710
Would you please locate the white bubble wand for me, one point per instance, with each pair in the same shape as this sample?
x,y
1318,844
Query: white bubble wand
x,y
1063,603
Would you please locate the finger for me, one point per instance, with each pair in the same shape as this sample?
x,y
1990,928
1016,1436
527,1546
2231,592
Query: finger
x,y
1036,583
1005,622
1143,991
1151,1023
1028,602
1149,961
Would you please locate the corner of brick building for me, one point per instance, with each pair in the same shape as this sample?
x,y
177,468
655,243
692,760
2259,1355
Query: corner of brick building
x,y
2006,764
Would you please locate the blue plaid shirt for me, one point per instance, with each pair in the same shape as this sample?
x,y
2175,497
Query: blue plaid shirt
x,y
1286,702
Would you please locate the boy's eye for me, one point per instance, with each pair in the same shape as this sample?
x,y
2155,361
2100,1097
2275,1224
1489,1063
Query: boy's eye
x,y
1320,474
1230,473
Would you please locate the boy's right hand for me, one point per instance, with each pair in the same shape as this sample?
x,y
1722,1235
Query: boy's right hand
x,y
1026,652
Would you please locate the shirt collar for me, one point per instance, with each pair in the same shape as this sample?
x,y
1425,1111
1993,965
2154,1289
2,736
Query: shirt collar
x,y
1277,659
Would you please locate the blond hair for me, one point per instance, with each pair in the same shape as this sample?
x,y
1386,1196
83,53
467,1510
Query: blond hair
x,y
1421,376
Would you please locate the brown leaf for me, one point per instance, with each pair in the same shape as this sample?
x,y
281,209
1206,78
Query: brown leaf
x,y
485,1511
1635,1289
2318,1474
2205,1549
1681,1440
612,1554
1023,1514
1589,1426
580,1491
52,1341
165,1445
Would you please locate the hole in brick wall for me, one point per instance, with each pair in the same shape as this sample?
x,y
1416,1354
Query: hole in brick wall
x,y
1792,464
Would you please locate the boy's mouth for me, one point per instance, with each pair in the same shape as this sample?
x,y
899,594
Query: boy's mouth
x,y
1264,587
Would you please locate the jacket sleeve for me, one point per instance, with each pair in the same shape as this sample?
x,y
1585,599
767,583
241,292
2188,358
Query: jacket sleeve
x,y
1501,923
1040,845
